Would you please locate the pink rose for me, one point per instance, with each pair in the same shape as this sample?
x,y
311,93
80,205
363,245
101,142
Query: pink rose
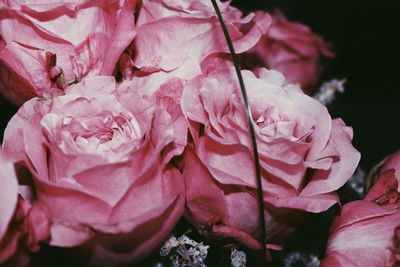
x,y
176,36
22,224
367,232
291,48
304,155
100,161
47,45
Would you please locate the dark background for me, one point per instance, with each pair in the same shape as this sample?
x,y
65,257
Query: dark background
x,y
367,54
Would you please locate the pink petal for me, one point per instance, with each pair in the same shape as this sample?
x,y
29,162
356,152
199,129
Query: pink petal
x,y
339,146
8,193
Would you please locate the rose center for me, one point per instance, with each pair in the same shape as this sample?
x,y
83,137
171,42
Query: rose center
x,y
106,132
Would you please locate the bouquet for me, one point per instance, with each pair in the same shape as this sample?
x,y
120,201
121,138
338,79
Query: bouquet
x,y
139,142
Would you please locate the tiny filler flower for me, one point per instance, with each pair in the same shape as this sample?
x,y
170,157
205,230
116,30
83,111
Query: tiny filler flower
x,y
184,251
238,258
327,91
295,258
357,181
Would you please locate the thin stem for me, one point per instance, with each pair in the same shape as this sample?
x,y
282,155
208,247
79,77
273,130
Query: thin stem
x,y
252,132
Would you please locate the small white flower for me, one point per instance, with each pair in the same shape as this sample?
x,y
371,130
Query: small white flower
x,y
168,245
308,260
357,181
238,258
327,91
186,240
184,251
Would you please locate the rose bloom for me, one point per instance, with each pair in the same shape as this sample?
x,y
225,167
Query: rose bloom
x,y
367,232
176,36
22,224
45,45
100,162
304,155
291,48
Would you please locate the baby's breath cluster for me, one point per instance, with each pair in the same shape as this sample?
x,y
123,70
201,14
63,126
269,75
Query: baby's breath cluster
x,y
183,251
327,92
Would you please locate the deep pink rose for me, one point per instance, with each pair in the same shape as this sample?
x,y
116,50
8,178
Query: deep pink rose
x,y
22,224
175,36
367,232
304,155
291,48
100,161
47,44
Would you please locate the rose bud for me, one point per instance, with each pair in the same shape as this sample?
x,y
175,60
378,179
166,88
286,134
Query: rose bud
x,y
101,162
38,36
304,156
291,48
366,233
22,224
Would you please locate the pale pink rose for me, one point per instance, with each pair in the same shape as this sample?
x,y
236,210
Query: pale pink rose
x,y
366,233
176,36
165,90
100,161
304,155
22,224
291,48
47,44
